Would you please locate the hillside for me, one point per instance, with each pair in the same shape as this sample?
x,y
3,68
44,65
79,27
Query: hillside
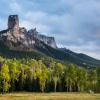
x,y
18,42
46,52
78,59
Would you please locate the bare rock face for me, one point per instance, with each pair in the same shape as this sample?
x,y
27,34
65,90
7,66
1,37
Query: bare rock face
x,y
13,24
17,38
47,40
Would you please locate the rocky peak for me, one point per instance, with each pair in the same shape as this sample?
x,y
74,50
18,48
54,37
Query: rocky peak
x,y
47,40
13,24
16,37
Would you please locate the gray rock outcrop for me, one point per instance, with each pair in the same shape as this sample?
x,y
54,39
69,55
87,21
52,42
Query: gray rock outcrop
x,y
18,38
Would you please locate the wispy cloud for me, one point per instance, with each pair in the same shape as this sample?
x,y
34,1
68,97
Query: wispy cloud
x,y
15,7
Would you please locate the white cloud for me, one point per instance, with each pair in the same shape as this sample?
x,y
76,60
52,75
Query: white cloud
x,y
15,7
26,24
3,25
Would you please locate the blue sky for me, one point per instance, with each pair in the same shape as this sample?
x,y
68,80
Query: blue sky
x,y
74,23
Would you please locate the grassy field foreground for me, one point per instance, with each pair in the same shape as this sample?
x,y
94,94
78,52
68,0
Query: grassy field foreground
x,y
49,96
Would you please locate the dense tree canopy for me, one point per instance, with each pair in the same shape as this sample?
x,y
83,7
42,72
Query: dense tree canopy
x,y
36,75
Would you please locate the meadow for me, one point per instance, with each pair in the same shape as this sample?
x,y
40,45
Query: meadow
x,y
49,96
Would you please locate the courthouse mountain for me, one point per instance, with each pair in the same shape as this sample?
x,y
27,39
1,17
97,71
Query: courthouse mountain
x,y
19,42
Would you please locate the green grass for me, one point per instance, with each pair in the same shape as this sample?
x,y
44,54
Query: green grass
x,y
50,96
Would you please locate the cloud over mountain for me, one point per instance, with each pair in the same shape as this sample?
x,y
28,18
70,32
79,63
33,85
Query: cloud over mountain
x,y
74,23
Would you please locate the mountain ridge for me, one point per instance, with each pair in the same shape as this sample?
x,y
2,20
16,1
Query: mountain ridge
x,y
19,38
16,41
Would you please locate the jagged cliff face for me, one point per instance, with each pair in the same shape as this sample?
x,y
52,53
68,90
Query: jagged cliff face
x,y
47,40
17,38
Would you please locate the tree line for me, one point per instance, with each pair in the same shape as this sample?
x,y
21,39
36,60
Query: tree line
x,y
35,75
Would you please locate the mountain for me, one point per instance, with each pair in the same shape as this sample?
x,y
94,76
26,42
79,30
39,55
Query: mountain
x,y
69,56
18,38
83,57
20,43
